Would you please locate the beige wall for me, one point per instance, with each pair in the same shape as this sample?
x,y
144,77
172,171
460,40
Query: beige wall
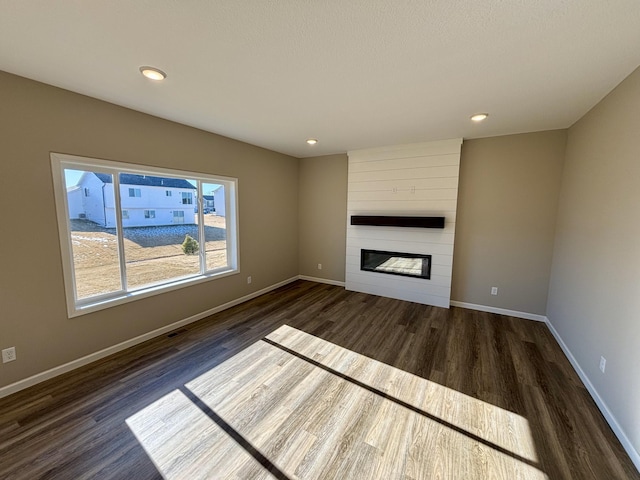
x,y
323,216
36,119
507,202
594,295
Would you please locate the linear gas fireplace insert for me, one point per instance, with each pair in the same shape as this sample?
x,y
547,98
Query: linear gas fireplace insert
x,y
396,263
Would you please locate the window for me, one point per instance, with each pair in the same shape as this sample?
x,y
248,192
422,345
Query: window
x,y
86,192
167,193
178,216
107,261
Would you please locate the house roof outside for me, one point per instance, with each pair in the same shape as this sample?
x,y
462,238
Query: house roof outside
x,y
146,180
208,197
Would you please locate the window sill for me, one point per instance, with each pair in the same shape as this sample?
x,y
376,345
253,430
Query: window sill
x,y
94,305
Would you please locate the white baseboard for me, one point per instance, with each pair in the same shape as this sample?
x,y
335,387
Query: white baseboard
x,y
321,280
67,367
500,311
608,415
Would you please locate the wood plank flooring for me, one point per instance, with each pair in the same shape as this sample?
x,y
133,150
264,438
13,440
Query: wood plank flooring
x,y
313,382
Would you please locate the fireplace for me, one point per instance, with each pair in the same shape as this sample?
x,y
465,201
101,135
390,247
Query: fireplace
x,y
396,263
403,198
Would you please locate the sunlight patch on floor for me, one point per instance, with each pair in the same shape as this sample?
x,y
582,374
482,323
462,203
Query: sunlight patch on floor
x,y
184,443
316,410
492,423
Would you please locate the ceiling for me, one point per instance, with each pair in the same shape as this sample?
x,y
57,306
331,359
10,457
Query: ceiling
x,y
351,73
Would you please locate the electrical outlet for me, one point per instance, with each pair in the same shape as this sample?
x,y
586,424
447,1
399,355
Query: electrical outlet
x,y
8,354
494,290
248,280
603,364
319,266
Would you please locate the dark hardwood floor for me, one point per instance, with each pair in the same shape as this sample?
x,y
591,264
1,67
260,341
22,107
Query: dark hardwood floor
x,y
312,381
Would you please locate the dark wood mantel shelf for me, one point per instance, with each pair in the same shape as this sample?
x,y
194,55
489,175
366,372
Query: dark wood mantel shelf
x,y
397,221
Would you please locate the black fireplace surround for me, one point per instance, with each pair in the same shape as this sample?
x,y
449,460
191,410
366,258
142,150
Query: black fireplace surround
x,y
396,263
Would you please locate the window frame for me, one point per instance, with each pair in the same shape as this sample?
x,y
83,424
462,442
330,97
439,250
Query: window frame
x,y
77,307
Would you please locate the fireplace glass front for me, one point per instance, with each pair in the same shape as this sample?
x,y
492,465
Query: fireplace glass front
x,y
396,263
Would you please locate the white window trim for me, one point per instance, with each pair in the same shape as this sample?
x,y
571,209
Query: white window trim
x,y
76,307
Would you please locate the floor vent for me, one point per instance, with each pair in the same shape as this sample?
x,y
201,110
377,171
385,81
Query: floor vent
x,y
176,333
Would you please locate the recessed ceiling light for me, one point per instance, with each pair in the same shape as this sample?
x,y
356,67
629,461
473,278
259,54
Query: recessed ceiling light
x,y
312,141
153,73
478,117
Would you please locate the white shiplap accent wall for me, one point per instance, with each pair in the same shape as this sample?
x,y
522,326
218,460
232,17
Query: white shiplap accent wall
x,y
420,180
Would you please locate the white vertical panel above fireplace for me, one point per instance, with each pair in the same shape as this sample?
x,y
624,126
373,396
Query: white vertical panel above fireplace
x,y
419,179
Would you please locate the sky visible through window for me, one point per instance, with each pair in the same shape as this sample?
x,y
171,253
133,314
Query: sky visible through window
x,y
73,176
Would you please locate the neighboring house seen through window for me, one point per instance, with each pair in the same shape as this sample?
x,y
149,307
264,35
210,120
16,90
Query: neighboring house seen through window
x,y
128,240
